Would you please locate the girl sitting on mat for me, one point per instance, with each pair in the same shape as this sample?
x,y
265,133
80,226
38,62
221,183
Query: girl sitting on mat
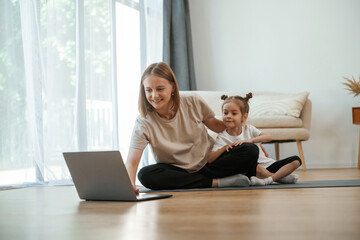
x,y
235,111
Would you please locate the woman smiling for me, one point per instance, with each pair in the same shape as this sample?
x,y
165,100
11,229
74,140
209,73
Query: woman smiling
x,y
174,126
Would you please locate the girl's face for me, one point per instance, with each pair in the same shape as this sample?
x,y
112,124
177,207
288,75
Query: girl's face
x,y
232,116
158,92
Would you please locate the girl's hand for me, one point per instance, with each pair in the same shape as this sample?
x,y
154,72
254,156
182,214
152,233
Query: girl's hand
x,y
237,143
228,147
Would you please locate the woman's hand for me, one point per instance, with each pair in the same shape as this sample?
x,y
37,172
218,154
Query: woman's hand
x,y
136,190
132,164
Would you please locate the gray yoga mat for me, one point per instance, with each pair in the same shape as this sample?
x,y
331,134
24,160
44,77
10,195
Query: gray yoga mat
x,y
300,184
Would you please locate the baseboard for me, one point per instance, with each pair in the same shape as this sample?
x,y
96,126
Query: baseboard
x,y
330,165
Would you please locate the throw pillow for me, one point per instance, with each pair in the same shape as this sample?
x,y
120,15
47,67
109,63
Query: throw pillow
x,y
278,104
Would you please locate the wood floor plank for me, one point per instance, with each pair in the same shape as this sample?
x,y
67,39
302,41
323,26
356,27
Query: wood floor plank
x,y
308,213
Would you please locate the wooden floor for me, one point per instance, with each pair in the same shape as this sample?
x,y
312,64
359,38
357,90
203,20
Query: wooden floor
x,y
310,213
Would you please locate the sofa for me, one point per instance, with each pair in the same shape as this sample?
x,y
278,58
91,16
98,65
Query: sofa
x,y
286,117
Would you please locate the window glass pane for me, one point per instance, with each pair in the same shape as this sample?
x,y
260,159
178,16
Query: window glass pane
x,y
98,74
39,86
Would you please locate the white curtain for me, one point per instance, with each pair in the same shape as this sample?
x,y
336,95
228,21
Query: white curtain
x,y
153,15
59,85
68,81
138,24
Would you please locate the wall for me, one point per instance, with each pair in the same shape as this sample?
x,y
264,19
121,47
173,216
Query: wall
x,y
286,46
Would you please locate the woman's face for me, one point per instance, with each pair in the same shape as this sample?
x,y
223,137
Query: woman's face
x,y
158,92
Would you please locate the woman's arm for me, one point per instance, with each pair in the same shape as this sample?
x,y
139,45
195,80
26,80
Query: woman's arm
x,y
215,125
132,163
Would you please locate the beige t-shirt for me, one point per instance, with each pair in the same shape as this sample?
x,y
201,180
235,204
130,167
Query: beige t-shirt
x,y
182,141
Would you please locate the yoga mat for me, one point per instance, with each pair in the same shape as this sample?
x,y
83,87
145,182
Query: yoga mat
x,y
300,184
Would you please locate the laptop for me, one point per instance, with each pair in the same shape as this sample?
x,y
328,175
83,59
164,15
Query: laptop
x,y
102,176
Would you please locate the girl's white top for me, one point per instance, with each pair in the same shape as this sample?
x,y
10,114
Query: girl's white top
x,y
248,132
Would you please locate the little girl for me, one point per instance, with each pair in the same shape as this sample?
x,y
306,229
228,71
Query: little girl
x,y
235,111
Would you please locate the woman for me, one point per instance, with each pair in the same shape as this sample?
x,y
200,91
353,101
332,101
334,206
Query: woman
x,y
175,128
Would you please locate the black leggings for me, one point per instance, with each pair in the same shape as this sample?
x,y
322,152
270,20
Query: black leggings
x,y
273,168
240,159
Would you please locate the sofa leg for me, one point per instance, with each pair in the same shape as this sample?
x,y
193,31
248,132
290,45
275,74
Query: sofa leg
x,y
301,153
277,155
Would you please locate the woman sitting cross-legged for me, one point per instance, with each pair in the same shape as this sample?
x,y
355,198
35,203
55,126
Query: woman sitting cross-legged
x,y
175,128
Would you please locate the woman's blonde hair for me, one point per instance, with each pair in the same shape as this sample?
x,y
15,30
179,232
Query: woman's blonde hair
x,y
242,102
162,70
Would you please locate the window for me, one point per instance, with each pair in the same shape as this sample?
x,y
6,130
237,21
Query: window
x,y
64,83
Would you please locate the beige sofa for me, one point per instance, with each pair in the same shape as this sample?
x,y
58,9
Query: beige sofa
x,y
287,117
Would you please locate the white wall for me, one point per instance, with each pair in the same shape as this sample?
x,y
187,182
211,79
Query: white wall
x,y
286,46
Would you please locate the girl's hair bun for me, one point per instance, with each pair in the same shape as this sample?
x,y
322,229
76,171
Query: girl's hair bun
x,y
248,96
224,97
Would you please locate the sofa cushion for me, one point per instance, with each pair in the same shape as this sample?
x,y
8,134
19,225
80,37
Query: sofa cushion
x,y
275,121
271,104
280,134
262,103
284,134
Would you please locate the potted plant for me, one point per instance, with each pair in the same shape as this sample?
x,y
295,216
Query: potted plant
x,y
353,87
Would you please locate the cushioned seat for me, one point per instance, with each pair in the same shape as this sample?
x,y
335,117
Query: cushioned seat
x,y
286,134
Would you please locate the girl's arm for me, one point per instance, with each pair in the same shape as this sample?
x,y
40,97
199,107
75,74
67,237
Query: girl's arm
x,y
263,137
213,155
132,163
215,124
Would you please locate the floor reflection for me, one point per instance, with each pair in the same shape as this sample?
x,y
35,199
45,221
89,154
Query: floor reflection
x,y
116,220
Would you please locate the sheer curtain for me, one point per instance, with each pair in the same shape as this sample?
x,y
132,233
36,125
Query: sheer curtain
x,y
14,147
59,86
67,61
139,41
